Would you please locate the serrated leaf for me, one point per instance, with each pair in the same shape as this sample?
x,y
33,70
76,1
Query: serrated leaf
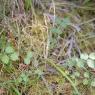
x,y
14,56
92,56
84,56
27,61
5,59
9,49
91,63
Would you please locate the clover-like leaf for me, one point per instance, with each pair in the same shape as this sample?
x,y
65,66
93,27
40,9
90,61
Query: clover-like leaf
x,y
92,56
84,56
72,61
9,49
14,56
91,63
5,59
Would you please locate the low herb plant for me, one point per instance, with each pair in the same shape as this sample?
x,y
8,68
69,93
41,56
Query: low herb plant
x,y
82,68
28,57
60,24
8,55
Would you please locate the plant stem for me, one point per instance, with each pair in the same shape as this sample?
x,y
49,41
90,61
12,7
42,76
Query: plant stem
x,y
63,74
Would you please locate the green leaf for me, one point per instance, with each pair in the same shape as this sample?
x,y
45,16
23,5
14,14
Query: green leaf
x,y
27,61
58,20
84,56
72,76
27,4
5,59
29,55
24,77
67,72
80,63
39,72
55,30
77,74
85,81
16,91
19,80
92,56
86,75
2,42
65,22
93,83
14,56
9,50
72,61
91,63
1,55
85,1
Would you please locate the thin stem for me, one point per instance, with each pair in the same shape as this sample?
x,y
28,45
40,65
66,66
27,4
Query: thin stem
x,y
64,75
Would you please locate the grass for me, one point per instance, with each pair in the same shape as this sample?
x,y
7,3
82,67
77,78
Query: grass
x,y
44,35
